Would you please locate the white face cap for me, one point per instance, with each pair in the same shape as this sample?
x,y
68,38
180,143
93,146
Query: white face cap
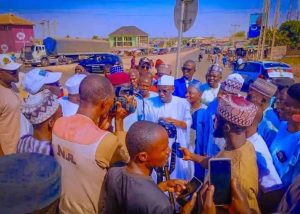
x,y
166,80
73,83
6,63
36,78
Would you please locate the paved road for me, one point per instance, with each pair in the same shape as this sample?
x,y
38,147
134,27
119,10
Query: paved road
x,y
202,67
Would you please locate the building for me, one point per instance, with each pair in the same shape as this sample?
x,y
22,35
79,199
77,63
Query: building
x,y
15,33
128,37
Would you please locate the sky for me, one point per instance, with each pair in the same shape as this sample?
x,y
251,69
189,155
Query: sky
x,y
85,18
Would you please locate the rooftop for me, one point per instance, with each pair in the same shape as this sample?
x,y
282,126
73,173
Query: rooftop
x,y
11,19
129,30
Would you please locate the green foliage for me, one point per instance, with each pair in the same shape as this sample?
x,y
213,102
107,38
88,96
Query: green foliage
x,y
95,37
239,34
291,29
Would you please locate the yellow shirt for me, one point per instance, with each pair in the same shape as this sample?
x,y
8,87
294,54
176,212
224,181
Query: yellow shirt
x,y
244,168
9,120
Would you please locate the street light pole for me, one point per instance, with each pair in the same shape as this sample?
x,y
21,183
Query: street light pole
x,y
275,26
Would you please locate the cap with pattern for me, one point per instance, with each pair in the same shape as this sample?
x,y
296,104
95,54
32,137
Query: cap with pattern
x,y
264,87
40,107
237,110
233,84
28,182
215,68
7,63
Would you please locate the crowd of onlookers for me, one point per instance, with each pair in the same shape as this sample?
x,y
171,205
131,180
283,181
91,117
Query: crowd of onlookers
x,y
112,142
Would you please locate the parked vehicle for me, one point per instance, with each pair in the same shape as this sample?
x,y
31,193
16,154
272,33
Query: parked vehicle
x,y
53,50
251,70
163,51
96,63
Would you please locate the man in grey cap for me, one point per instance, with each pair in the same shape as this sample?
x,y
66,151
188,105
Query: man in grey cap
x,y
10,114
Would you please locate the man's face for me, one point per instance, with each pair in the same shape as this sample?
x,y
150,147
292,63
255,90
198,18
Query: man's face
x,y
144,67
188,70
158,152
134,80
280,98
219,127
255,97
9,77
165,93
221,93
144,86
290,107
213,78
193,95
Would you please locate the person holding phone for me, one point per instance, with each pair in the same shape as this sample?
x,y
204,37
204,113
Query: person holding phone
x,y
234,115
130,189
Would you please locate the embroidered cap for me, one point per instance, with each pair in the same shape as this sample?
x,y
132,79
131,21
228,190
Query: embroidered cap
x,y
215,68
7,63
264,87
237,110
233,84
40,107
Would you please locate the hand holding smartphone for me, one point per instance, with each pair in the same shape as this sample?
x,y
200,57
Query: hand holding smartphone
x,y
220,177
192,186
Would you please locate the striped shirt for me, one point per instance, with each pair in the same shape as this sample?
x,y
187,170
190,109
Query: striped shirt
x,y
28,143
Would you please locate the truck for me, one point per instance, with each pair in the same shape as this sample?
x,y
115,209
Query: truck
x,y
62,50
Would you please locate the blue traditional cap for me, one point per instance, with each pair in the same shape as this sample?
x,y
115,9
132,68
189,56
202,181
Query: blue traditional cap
x,y
28,182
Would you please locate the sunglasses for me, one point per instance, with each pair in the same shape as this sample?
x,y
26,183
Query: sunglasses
x,y
185,69
145,66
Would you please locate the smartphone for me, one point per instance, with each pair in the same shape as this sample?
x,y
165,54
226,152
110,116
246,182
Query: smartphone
x,y
192,186
175,147
220,177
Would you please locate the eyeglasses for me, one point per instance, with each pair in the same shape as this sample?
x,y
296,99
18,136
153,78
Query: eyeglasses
x,y
185,69
145,66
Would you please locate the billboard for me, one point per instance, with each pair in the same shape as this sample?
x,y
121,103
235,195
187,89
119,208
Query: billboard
x,y
255,25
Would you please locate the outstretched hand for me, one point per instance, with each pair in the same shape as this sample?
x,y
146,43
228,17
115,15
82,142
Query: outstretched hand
x,y
174,185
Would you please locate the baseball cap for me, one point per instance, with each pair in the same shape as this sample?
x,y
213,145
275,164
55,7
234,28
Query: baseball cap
x,y
7,63
73,83
36,78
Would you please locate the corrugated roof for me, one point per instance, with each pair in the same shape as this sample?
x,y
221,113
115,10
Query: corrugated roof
x,y
11,19
128,30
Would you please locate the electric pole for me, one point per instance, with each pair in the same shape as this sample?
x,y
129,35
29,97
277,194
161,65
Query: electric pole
x,y
275,26
267,8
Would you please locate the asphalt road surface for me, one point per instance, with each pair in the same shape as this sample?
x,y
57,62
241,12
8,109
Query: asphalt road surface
x,y
170,58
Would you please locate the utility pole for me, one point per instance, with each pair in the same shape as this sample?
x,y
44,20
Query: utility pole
x,y
261,32
54,28
42,23
275,26
267,8
179,38
48,27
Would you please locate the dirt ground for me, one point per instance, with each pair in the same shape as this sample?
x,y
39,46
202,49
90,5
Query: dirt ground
x,y
170,58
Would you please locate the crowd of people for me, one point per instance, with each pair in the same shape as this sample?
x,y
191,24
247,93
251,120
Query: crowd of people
x,y
128,142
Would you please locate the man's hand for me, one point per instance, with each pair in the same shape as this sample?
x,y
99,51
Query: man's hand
x,y
207,198
175,185
177,123
187,155
239,203
188,207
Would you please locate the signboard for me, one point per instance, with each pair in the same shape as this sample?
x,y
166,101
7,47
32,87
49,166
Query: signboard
x,y
20,36
255,25
190,10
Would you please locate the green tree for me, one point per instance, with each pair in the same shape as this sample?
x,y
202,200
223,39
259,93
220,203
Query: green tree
x,y
239,34
95,37
292,30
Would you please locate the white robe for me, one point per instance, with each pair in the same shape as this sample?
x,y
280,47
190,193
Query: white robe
x,y
178,109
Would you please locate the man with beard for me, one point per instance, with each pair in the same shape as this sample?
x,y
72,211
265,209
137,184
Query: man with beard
x,y
10,102
175,111
211,87
181,84
234,115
